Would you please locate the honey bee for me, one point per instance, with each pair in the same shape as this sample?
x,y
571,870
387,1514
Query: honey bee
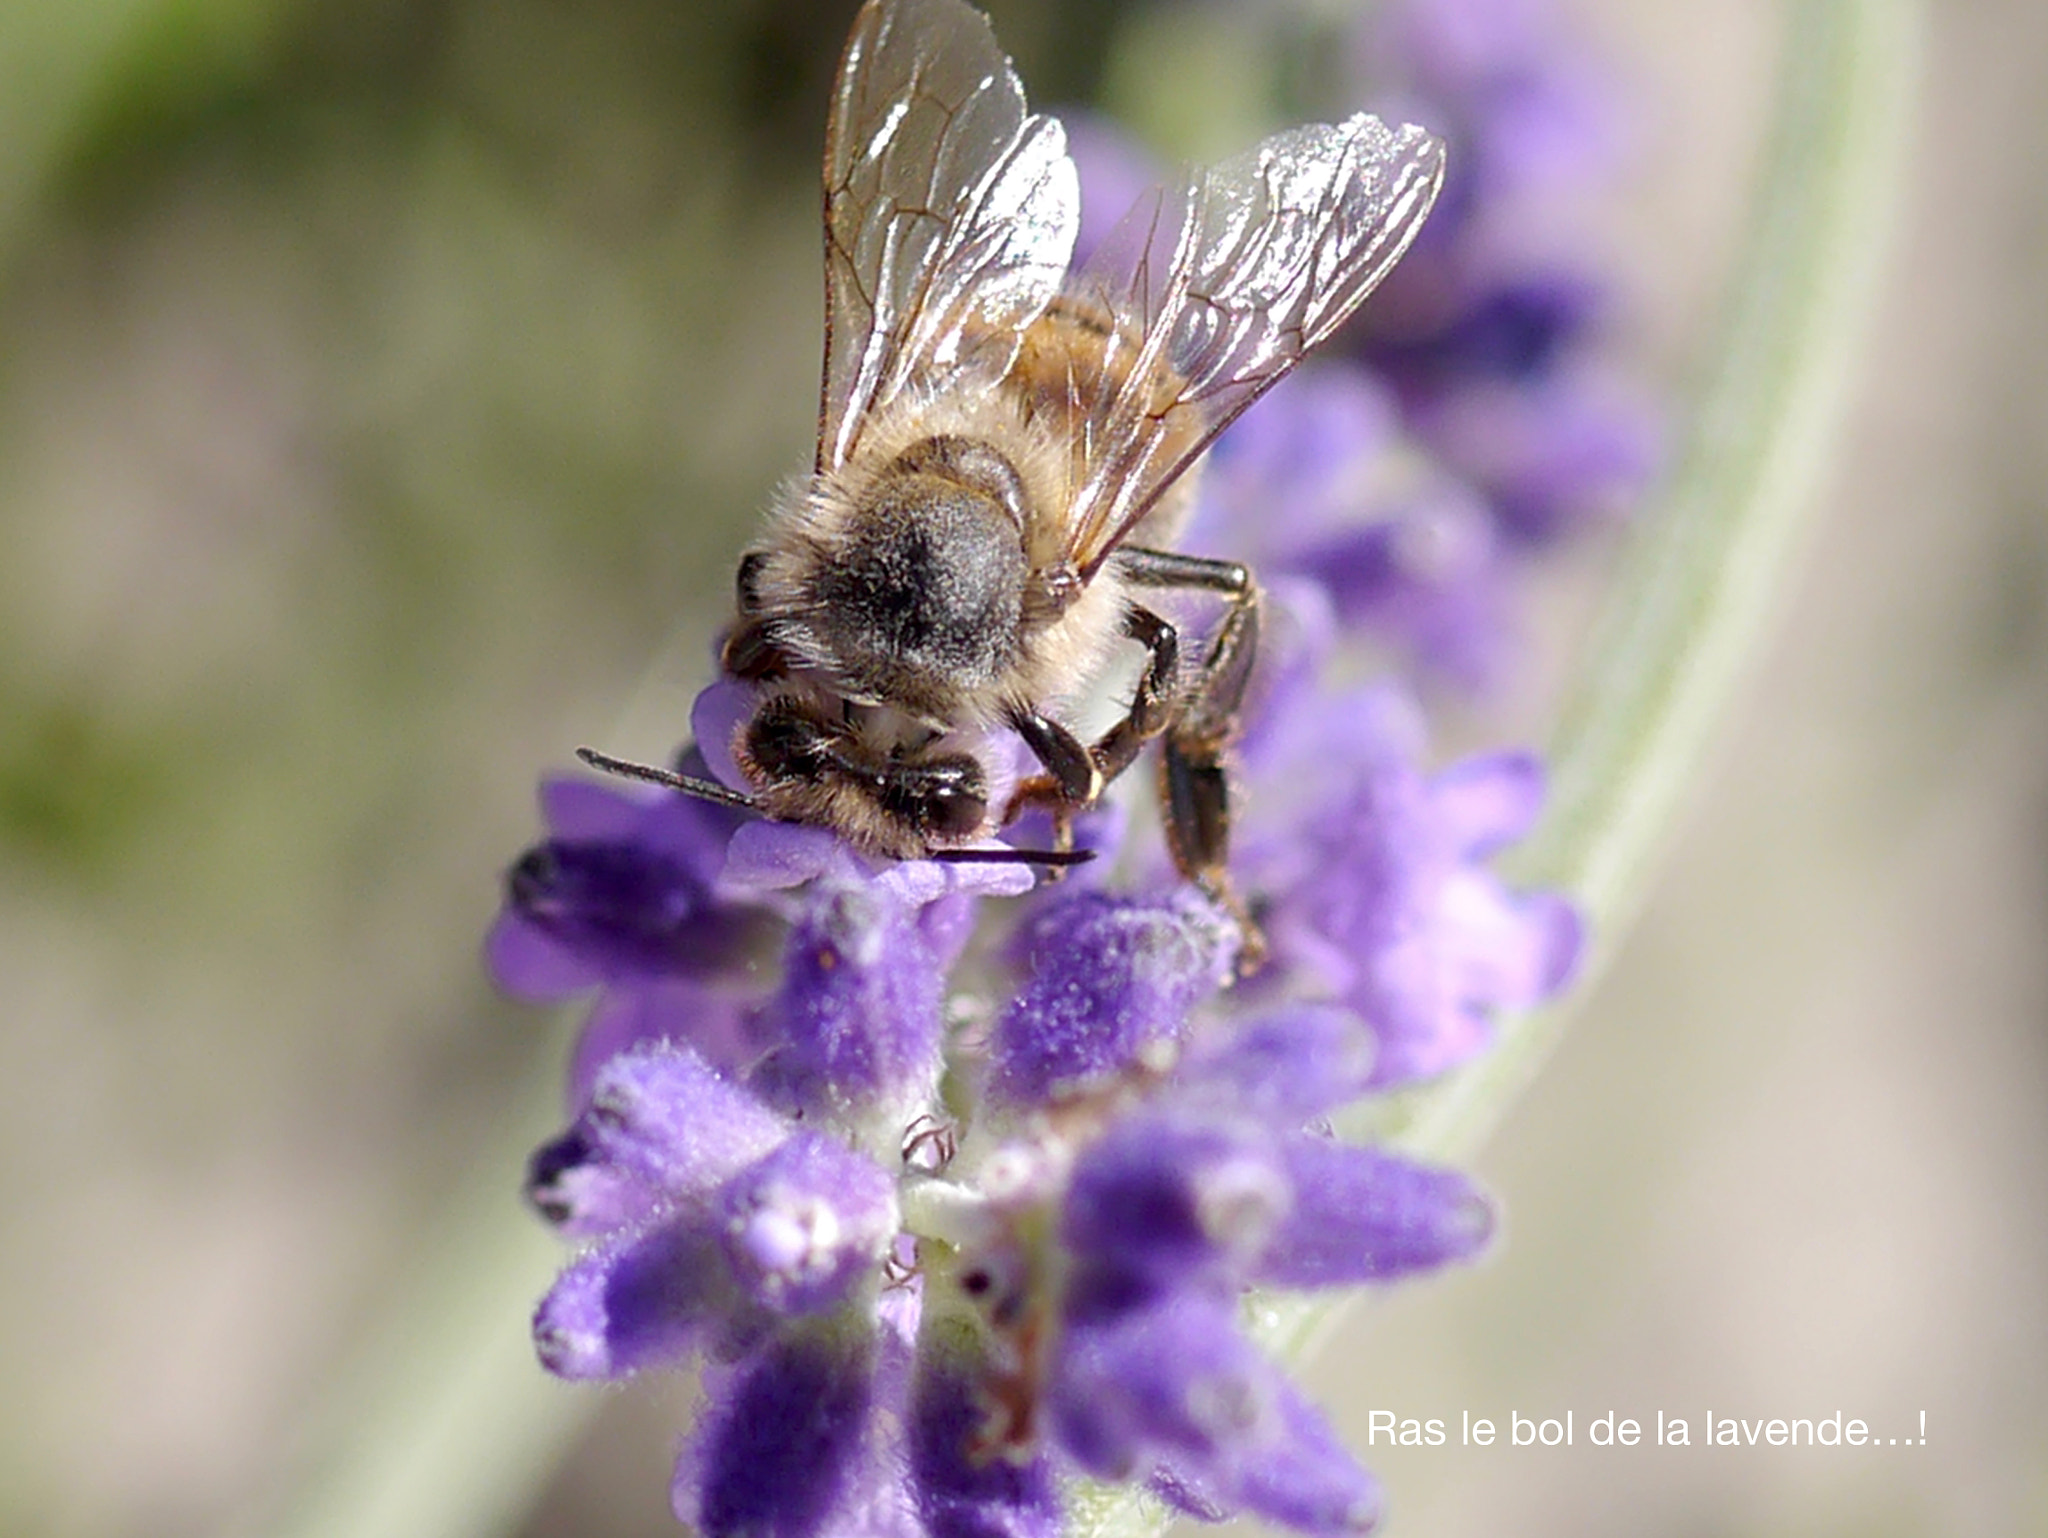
x,y
1004,450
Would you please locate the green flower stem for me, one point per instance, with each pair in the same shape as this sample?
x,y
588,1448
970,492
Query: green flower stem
x,y
447,1428
1692,608
78,69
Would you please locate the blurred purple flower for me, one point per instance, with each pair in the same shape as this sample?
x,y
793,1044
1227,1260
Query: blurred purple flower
x,y
1494,334
1481,415
1381,894
1163,1207
1402,549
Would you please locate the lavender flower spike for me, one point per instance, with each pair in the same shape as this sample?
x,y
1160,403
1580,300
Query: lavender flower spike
x,y
939,1254
951,1181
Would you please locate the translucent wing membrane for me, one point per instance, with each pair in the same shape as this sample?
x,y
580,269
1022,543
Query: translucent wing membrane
x,y
1220,285
950,212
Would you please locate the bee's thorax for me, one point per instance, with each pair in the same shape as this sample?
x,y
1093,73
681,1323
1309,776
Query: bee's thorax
x,y
928,581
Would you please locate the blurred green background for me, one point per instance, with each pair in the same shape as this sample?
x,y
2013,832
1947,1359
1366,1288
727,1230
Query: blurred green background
x,y
383,384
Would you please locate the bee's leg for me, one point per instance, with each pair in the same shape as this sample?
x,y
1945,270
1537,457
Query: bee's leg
x,y
1071,780
1152,702
1069,769
1194,786
1075,775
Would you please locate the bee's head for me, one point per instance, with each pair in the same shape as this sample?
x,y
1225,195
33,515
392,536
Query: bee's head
x,y
811,764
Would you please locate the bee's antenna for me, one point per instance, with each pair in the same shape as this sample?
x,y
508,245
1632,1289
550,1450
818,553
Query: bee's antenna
x,y
1057,858
688,784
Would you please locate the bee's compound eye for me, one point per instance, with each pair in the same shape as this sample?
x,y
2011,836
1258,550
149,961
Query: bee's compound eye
x,y
786,743
955,812
951,802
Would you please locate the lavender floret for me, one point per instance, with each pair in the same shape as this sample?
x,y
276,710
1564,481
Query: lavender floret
x,y
1111,979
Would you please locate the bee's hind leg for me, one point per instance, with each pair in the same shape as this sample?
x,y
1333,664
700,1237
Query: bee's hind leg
x,y
1194,786
1197,717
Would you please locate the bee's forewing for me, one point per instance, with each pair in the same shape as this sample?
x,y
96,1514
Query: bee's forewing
x,y
950,211
1223,283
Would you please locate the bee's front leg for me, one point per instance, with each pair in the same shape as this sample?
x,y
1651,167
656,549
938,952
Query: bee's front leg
x,y
1194,785
1070,783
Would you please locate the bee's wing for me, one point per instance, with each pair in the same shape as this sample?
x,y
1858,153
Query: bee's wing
x,y
950,211
1221,285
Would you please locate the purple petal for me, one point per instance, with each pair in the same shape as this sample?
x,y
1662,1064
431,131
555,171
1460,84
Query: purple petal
x,y
1513,78
1360,1215
1314,446
1112,979
643,1300
1360,872
689,831
1171,1382
1302,1477
914,883
582,809
963,1496
1504,951
946,926
666,1111
583,1194
1557,934
528,964
1286,1067
1176,1393
713,1019
1169,1197
858,1010
807,1222
767,856
1376,902
789,1448
715,718
1516,330
628,908
1427,575
662,1125
1321,749
1488,801
1549,455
